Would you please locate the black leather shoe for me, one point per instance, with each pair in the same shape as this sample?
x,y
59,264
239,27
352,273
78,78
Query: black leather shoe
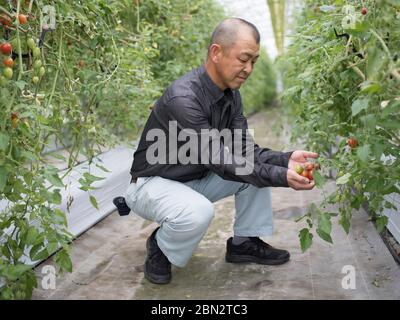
x,y
255,250
157,268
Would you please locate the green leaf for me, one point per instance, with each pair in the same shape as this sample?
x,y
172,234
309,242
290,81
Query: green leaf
x,y
343,179
370,87
60,216
91,178
63,259
345,223
54,179
369,121
41,255
52,247
318,179
359,105
34,250
324,236
56,197
381,222
375,61
94,202
305,239
31,236
324,227
102,168
4,141
16,271
324,223
363,152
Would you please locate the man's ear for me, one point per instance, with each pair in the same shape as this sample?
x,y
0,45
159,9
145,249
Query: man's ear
x,y
215,52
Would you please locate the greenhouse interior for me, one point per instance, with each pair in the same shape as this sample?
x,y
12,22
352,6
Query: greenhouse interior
x,y
118,176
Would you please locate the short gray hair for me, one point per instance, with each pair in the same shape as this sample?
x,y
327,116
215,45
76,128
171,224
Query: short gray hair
x,y
225,34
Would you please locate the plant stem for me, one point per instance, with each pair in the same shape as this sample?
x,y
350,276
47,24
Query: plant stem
x,y
21,69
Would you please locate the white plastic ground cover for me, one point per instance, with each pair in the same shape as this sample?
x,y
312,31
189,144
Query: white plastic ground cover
x,y
82,215
394,215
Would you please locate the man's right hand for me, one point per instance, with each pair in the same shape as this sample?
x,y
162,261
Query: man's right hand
x,y
298,182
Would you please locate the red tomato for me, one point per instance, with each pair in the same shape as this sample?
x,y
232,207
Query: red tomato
x,y
364,11
9,62
352,142
304,174
14,120
6,48
22,19
309,166
5,20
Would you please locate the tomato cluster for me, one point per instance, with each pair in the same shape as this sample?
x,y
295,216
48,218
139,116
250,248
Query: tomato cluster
x,y
308,170
6,49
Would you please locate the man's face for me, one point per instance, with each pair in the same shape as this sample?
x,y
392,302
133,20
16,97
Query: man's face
x,y
236,64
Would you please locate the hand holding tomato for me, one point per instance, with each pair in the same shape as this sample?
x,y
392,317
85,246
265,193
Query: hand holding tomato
x,y
299,182
299,157
300,173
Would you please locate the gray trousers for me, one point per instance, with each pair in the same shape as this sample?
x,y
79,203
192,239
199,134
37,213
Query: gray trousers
x,y
185,210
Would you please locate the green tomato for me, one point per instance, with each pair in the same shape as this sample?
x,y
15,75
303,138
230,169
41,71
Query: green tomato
x,y
31,43
35,80
8,73
38,64
42,71
3,81
36,52
299,169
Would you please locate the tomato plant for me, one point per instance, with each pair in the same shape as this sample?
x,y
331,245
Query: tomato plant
x,y
342,80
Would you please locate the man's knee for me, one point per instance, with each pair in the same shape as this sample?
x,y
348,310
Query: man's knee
x,y
198,215
203,213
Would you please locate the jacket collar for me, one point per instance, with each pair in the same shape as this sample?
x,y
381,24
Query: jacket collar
x,y
215,92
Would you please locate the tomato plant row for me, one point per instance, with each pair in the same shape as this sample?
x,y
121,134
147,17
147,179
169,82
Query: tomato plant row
x,y
342,78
